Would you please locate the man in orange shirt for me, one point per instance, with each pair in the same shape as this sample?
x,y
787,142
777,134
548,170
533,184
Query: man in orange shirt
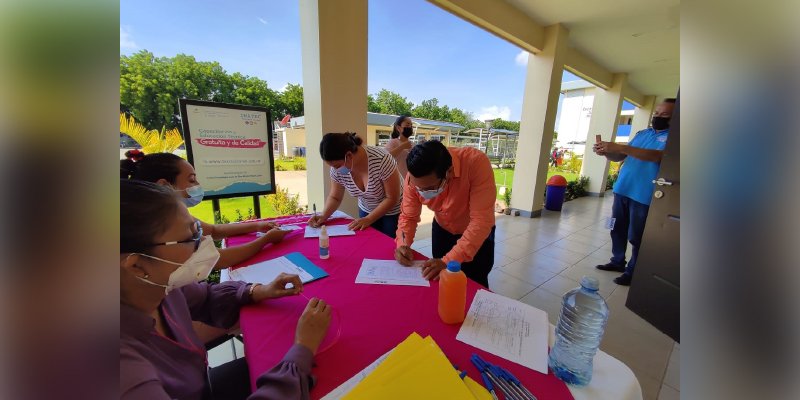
x,y
458,185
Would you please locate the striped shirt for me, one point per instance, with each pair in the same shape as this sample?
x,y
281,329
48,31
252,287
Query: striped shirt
x,y
381,166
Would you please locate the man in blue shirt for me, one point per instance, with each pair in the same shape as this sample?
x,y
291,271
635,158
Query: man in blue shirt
x,y
634,188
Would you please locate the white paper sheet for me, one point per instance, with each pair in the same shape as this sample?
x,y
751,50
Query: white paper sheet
x,y
267,271
340,214
390,272
507,328
333,230
281,228
349,384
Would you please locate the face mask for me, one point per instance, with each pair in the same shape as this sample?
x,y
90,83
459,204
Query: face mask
x,y
195,269
195,196
430,194
408,132
344,170
660,123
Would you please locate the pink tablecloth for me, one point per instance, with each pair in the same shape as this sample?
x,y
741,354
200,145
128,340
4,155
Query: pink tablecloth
x,y
372,318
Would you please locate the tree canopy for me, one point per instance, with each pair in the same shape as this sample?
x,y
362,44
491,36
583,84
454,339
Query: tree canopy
x,y
151,86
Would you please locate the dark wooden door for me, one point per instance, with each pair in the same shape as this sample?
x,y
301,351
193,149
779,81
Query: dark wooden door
x,y
655,290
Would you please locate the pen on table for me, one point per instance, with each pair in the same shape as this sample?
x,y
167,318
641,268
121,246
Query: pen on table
x,y
505,376
483,366
488,384
517,382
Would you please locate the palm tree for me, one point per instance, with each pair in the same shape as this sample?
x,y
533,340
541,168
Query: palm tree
x,y
152,141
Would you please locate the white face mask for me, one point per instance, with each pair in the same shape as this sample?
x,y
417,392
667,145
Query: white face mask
x,y
430,194
195,269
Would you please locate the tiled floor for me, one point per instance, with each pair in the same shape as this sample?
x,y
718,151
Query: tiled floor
x,y
537,260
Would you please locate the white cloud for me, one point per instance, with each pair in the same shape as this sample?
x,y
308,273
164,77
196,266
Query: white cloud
x,y
522,58
125,39
262,20
494,112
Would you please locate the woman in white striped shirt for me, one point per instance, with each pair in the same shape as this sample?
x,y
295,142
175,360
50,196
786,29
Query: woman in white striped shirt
x,y
368,173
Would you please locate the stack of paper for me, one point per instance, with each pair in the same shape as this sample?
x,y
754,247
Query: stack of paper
x,y
390,272
507,328
415,369
266,271
333,230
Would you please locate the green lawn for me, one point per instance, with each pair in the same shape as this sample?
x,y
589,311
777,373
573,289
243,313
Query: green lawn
x,y
507,175
287,164
228,207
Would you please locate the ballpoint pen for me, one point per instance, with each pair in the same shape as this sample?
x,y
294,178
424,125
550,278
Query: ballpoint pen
x,y
516,381
506,377
488,384
483,366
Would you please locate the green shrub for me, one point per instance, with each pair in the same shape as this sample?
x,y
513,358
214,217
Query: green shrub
x,y
507,197
280,167
612,178
239,217
573,163
284,203
576,188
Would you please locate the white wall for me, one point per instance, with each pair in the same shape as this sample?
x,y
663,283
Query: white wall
x,y
575,114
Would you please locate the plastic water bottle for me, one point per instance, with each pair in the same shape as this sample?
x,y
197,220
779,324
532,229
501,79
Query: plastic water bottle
x,y
580,328
452,294
324,243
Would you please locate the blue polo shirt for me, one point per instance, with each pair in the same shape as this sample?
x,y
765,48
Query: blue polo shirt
x,y
636,176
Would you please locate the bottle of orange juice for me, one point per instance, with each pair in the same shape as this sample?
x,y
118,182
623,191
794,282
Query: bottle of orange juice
x,y
452,293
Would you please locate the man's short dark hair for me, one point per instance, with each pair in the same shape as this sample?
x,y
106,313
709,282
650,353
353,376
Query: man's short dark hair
x,y
670,100
427,157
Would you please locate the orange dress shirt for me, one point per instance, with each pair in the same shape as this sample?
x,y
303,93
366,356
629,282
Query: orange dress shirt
x,y
465,206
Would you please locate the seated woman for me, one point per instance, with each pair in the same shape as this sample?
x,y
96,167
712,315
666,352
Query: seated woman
x,y
368,173
163,255
172,171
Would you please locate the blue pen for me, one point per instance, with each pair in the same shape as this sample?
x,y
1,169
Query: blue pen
x,y
501,373
484,366
488,384
517,382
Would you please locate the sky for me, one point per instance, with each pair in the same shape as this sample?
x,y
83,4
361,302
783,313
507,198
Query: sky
x,y
415,48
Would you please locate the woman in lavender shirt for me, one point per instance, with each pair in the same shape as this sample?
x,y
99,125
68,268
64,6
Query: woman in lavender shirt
x,y
163,255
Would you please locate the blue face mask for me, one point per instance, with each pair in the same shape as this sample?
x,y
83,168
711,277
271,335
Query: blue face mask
x,y
430,194
343,169
195,196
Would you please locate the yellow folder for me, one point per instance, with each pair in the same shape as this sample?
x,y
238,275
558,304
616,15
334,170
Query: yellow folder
x,y
417,368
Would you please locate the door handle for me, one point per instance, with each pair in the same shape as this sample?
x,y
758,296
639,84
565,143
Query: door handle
x,y
662,182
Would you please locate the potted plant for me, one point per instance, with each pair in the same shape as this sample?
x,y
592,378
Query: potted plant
x,y
507,198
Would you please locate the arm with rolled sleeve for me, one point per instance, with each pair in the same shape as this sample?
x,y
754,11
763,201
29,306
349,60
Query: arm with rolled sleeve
x,y
290,379
410,209
216,304
481,212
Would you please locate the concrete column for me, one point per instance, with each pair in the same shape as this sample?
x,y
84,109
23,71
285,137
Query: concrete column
x,y
605,118
642,115
334,49
539,106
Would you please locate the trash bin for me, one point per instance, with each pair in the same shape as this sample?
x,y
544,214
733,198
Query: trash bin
x,y
554,197
296,151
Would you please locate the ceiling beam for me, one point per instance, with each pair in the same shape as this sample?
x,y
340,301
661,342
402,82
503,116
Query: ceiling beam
x,y
500,19
509,23
586,68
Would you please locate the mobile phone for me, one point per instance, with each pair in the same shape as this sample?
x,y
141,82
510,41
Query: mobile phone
x,y
598,138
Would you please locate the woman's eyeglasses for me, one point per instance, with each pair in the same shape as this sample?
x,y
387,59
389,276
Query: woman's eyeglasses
x,y
196,238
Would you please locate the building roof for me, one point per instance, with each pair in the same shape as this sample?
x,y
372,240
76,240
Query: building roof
x,y
388,120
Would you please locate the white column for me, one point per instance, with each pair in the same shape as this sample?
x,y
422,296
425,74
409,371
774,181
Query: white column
x,y
334,48
641,116
539,106
605,118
